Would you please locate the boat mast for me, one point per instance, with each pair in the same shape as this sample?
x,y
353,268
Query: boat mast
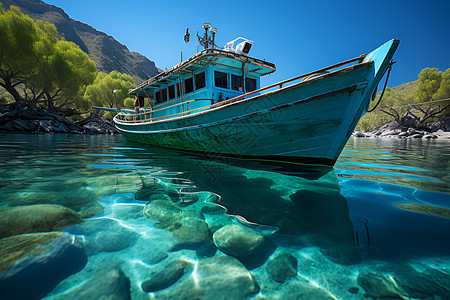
x,y
207,41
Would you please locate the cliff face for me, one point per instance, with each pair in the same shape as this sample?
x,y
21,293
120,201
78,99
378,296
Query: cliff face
x,y
107,53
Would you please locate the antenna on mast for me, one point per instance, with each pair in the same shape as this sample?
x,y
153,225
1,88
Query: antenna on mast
x,y
207,41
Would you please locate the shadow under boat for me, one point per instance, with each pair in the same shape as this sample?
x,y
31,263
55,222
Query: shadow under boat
x,y
311,212
305,168
314,213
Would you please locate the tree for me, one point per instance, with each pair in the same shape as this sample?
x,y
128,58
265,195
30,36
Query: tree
x,y
429,83
444,89
37,69
64,77
433,86
409,104
19,42
100,93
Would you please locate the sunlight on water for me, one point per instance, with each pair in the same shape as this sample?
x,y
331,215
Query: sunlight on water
x,y
177,225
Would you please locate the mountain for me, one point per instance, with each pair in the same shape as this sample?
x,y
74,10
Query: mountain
x,y
107,53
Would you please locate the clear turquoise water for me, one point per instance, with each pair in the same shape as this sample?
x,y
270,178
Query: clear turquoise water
x,y
384,207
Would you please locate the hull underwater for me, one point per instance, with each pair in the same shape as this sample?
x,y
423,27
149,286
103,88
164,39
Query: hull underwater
x,y
304,123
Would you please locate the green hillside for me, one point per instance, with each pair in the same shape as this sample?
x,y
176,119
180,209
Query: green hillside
x,y
414,103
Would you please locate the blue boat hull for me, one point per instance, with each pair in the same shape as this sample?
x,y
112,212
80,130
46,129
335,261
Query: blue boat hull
x,y
308,122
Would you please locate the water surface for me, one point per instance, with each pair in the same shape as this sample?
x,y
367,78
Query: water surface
x,y
383,209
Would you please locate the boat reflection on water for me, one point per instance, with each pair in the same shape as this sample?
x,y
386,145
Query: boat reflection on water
x,y
302,212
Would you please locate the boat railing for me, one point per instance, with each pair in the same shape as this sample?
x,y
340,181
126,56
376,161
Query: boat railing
x,y
147,116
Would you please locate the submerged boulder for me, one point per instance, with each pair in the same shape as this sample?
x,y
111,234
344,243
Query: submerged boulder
x,y
301,290
282,267
188,226
191,228
163,211
426,283
208,276
165,277
108,282
378,285
237,240
36,218
31,265
104,235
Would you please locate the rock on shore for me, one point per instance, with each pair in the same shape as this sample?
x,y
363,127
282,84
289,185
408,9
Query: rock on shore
x,y
393,130
45,122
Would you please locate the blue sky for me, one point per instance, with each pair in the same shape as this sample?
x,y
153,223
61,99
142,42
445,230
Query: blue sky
x,y
298,36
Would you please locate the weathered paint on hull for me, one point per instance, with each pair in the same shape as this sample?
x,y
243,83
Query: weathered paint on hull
x,y
309,122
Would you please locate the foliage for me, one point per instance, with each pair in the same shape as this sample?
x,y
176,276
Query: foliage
x,y
39,70
429,83
444,89
128,102
412,101
100,92
19,44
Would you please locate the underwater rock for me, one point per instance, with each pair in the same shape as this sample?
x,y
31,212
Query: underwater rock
x,y
165,212
191,231
237,240
192,214
218,273
299,290
282,267
427,283
91,209
165,277
212,209
128,211
37,262
104,235
188,227
207,249
109,282
36,218
378,285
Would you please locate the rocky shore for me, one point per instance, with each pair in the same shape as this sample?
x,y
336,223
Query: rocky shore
x,y
41,121
440,129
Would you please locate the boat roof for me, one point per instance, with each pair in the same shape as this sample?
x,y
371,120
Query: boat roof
x,y
201,59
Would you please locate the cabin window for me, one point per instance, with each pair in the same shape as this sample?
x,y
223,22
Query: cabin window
x,y
189,85
236,82
221,79
171,91
158,96
164,95
200,80
178,90
250,84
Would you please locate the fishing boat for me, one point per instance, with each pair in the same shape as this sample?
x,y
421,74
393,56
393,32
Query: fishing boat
x,y
212,104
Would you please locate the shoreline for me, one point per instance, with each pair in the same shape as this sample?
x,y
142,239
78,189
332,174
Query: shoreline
x,y
409,134
438,129
41,121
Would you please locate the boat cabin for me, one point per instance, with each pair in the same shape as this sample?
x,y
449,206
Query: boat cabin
x,y
201,81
